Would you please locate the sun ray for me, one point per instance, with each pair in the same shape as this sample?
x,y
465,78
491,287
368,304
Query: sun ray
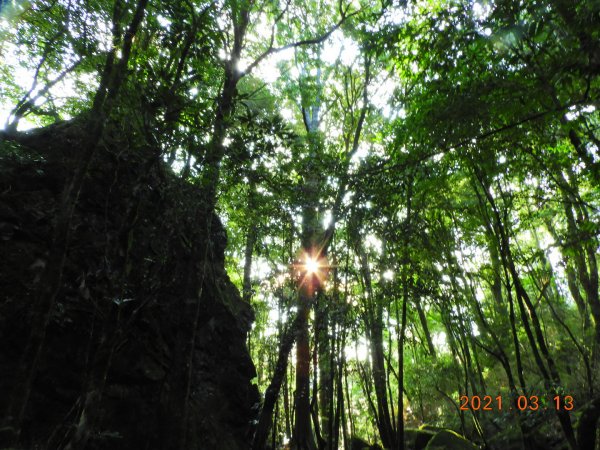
x,y
312,270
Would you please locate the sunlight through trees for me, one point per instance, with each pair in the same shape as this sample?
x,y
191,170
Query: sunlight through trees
x,y
410,200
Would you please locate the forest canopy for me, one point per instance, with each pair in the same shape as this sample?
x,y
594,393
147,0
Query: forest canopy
x,y
410,193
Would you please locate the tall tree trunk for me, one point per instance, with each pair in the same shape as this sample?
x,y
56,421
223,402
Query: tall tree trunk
x,y
303,438
251,237
309,282
405,299
373,321
272,392
584,262
527,310
325,368
425,327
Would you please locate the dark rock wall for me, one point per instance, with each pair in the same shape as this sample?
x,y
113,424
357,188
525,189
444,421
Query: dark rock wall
x,y
140,294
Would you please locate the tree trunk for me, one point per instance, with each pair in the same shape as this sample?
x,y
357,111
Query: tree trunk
x,y
527,310
251,237
272,392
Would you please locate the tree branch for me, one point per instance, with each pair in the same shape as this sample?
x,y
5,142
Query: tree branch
x,y
317,40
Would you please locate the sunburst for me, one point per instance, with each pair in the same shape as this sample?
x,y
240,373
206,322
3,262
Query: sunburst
x,y
312,270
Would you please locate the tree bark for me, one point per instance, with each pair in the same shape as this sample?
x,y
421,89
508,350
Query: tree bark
x,y
272,392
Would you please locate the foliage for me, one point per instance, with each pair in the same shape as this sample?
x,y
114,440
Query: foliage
x,y
443,155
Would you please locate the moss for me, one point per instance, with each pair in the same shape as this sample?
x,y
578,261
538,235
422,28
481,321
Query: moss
x,y
449,440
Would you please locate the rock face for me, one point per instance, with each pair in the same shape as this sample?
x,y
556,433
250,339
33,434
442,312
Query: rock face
x,y
146,345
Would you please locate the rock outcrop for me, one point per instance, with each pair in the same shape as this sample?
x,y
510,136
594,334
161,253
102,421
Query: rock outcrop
x,y
146,345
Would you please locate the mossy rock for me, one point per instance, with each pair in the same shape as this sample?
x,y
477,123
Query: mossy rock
x,y
357,443
449,440
417,438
